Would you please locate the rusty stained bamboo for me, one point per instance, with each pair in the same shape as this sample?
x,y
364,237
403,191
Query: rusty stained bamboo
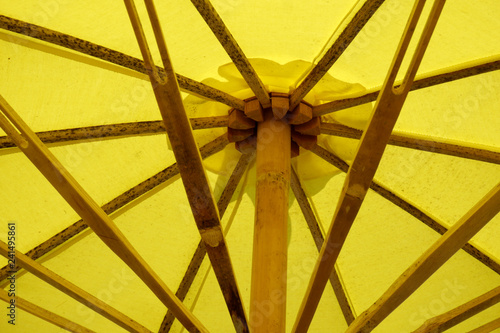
x,y
101,132
406,141
319,239
484,258
269,264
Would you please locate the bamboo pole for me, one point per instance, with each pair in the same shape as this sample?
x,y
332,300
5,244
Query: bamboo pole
x,y
268,291
112,56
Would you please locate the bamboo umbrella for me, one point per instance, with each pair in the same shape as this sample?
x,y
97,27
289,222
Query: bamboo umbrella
x,y
337,161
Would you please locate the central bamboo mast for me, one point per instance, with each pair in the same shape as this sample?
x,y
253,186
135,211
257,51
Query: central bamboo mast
x,y
268,293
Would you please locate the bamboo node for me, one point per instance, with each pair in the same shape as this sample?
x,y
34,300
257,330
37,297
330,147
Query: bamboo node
x,y
356,191
212,236
277,178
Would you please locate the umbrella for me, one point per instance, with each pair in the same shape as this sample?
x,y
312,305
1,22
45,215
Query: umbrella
x,y
337,161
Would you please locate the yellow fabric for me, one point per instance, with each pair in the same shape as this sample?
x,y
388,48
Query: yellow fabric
x,y
52,88
279,78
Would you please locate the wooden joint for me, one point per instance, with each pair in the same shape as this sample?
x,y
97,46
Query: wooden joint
x,y
248,145
235,135
280,103
312,127
301,114
305,141
241,125
238,120
253,109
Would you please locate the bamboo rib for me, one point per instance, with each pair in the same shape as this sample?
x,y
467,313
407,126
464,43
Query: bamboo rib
x,y
335,51
429,262
434,146
188,159
114,205
457,315
368,155
112,56
312,223
209,14
93,215
430,81
46,315
74,291
116,130
488,327
199,254
476,253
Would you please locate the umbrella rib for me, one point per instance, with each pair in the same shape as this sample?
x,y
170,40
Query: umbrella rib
x,y
406,141
488,327
89,210
188,159
73,291
429,262
46,315
408,207
434,80
368,156
116,130
461,313
226,39
114,205
312,223
335,51
112,56
200,252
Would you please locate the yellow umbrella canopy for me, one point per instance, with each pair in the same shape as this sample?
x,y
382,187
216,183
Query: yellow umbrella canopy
x,y
107,222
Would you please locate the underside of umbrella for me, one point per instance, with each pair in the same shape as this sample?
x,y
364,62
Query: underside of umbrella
x,y
328,166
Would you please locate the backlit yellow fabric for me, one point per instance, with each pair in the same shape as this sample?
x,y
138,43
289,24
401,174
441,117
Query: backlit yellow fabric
x,y
54,88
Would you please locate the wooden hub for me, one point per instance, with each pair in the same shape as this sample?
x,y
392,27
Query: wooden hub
x,y
242,124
